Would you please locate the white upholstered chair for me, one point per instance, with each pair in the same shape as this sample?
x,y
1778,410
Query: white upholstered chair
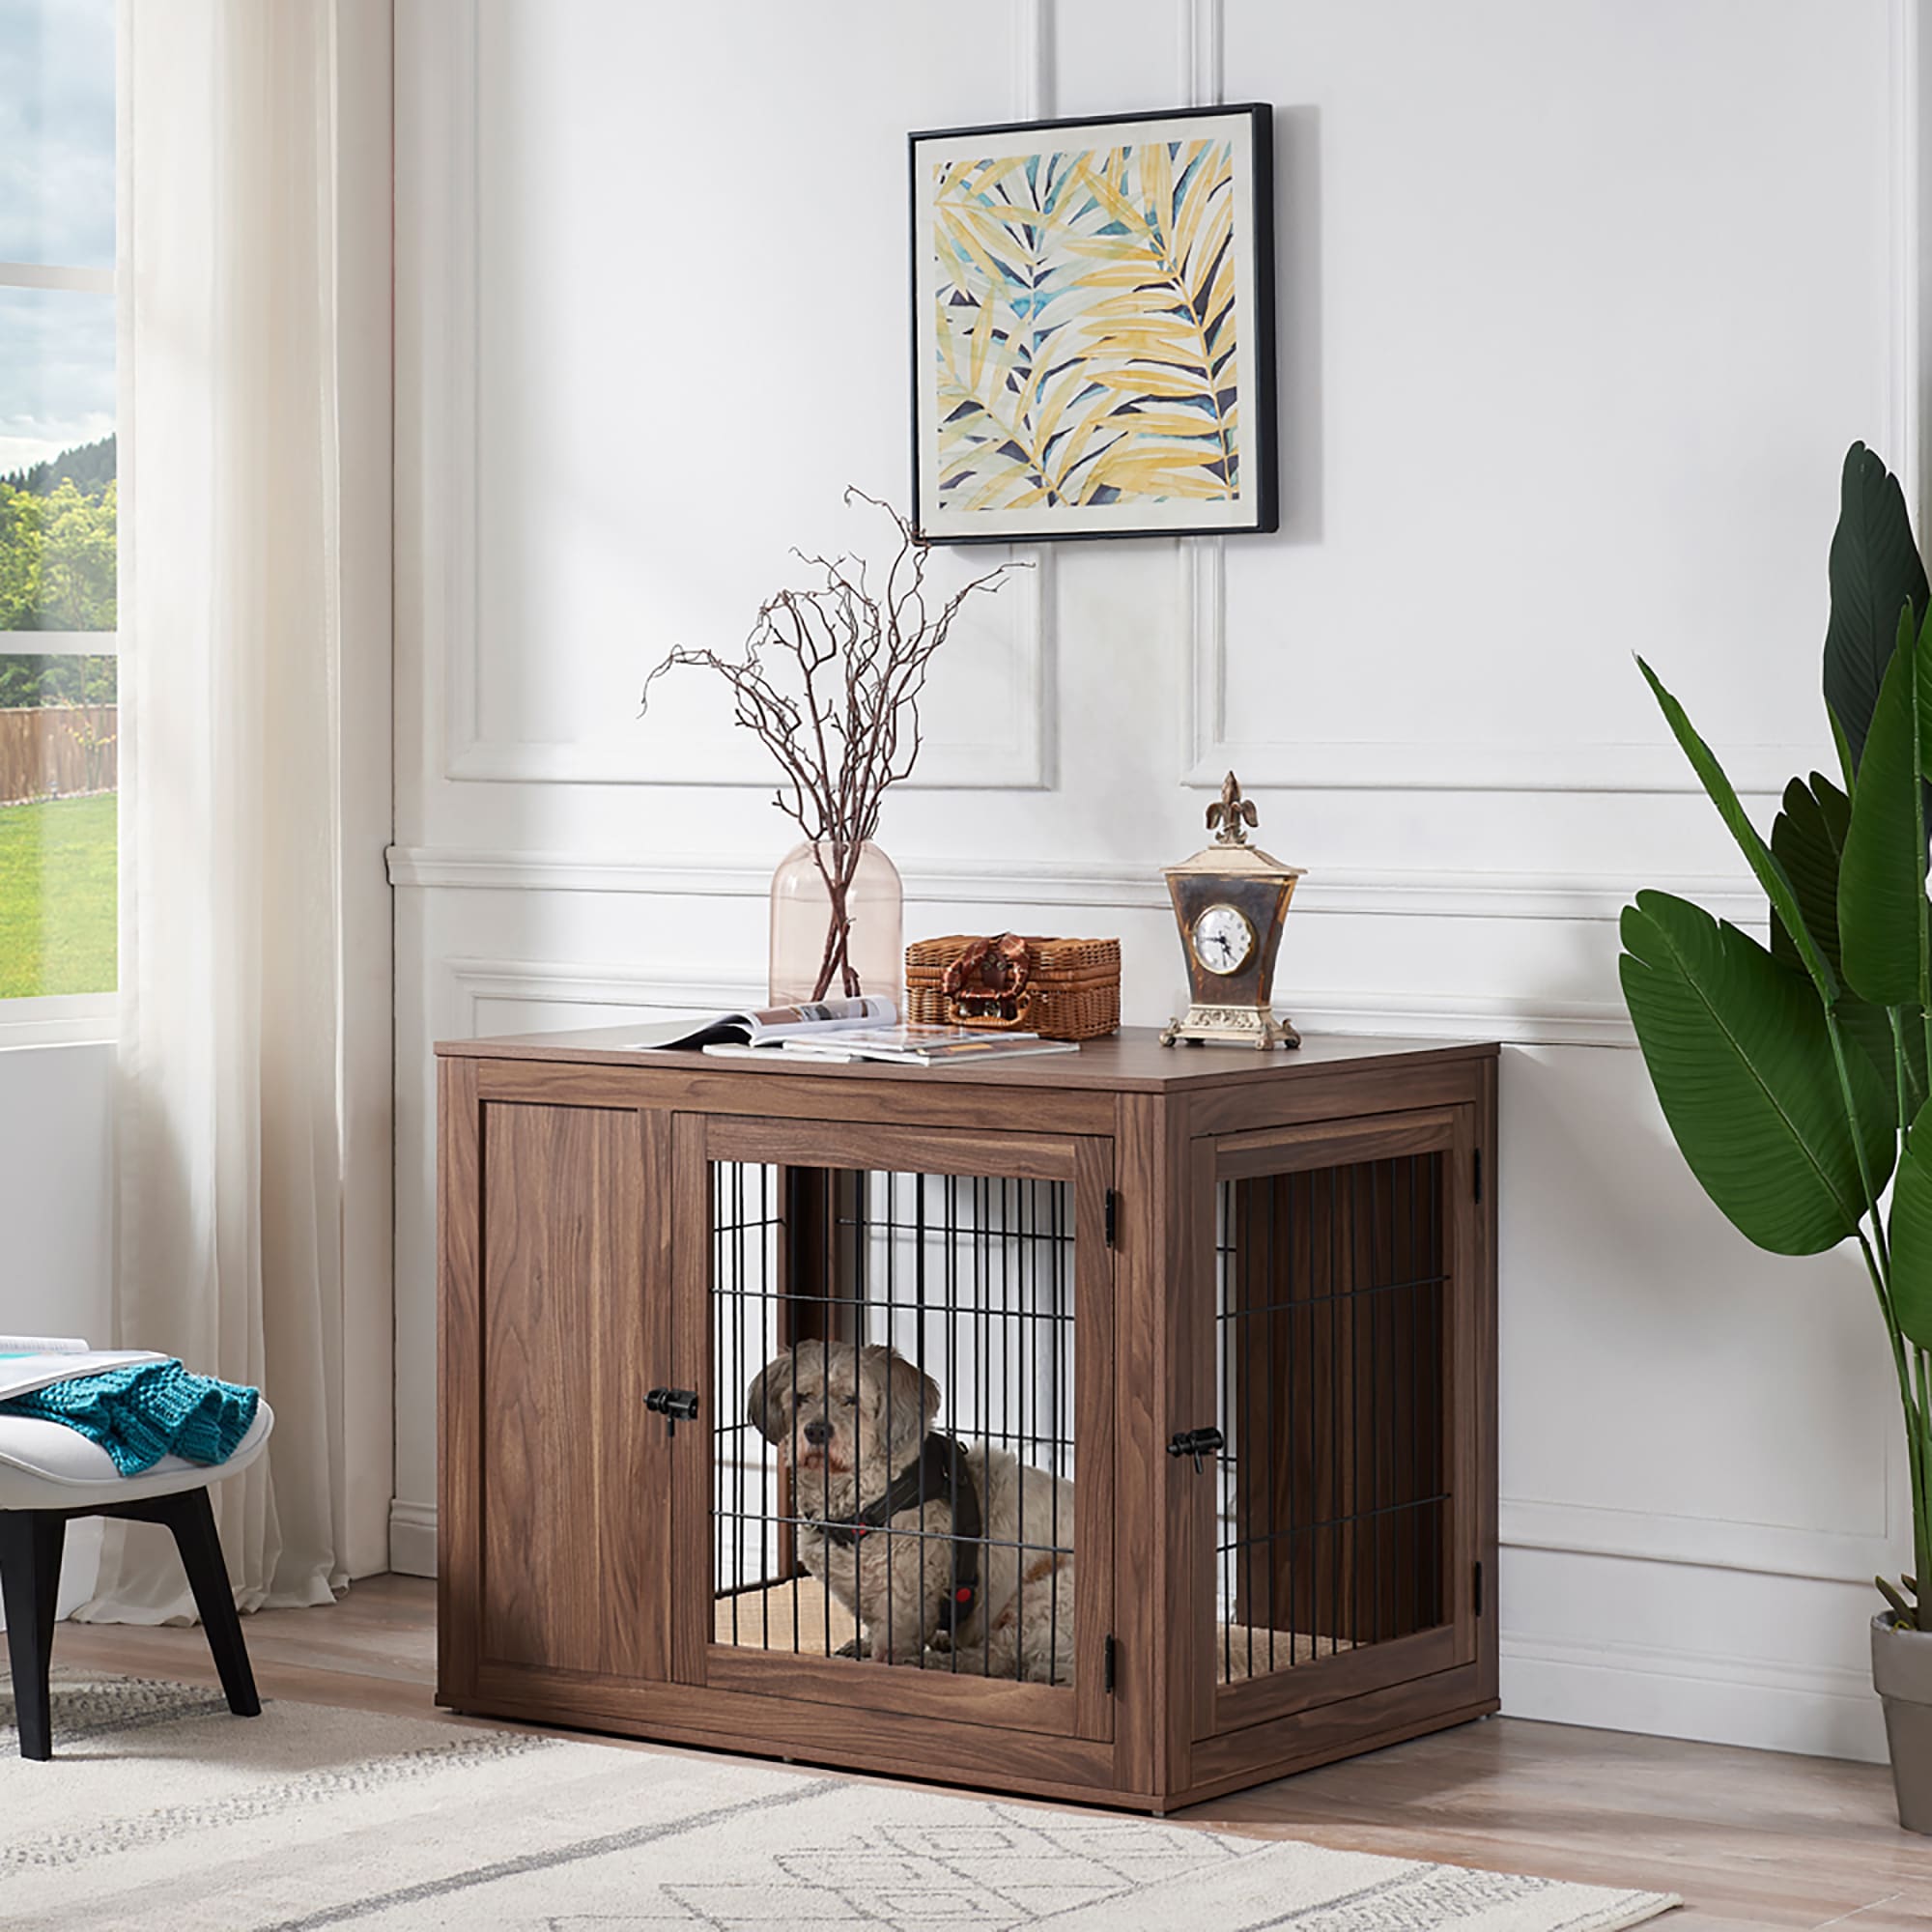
x,y
50,1474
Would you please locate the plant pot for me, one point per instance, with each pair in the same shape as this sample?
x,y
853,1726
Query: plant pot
x,y
1902,1676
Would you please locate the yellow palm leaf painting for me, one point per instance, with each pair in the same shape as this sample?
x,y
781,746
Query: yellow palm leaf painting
x,y
1086,328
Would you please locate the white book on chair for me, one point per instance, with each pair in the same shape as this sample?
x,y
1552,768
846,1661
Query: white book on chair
x,y
30,1362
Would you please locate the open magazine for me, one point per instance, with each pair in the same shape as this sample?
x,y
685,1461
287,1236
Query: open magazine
x,y
923,1046
771,1025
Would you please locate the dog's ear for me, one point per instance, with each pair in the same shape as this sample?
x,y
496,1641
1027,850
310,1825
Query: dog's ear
x,y
911,1397
769,1399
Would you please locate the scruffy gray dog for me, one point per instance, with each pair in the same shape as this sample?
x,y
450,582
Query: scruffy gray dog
x,y
853,1427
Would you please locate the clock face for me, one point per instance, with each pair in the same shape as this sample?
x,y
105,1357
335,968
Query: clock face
x,y
1222,939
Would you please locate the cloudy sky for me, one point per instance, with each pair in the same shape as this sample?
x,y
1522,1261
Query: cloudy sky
x,y
56,209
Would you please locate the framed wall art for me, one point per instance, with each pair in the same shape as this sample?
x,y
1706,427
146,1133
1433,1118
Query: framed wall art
x,y
1094,327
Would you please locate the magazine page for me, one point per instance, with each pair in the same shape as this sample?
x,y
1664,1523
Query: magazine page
x,y
923,1045
821,1016
769,1024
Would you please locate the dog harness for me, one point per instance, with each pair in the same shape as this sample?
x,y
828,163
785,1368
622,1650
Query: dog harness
x,y
942,1472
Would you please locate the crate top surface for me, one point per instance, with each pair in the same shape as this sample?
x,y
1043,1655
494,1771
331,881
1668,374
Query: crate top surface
x,y
1130,1061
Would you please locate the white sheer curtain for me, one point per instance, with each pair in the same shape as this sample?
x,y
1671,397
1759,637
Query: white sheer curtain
x,y
230,1239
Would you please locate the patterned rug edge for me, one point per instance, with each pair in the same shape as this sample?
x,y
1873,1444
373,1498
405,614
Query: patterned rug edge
x,y
99,1704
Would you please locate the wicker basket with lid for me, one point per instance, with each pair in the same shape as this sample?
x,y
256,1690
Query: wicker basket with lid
x,y
1010,983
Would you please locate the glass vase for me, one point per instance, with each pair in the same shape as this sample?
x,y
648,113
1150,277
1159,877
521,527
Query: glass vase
x,y
837,924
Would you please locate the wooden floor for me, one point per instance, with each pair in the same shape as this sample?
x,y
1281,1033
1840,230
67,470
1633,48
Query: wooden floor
x,y
1749,1838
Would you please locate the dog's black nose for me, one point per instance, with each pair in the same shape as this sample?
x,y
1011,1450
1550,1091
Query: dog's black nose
x,y
818,1433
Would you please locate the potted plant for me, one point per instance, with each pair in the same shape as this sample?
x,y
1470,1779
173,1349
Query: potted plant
x,y
1794,1075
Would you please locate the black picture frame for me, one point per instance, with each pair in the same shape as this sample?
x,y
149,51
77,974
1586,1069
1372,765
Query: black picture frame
x,y
944,402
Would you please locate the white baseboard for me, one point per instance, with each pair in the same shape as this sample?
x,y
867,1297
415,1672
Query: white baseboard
x,y
412,1538
1816,1710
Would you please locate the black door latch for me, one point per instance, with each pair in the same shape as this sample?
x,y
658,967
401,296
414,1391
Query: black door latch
x,y
1197,1442
675,1405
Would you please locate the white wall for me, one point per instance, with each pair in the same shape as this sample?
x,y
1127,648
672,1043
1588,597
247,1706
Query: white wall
x,y
57,1207
1580,306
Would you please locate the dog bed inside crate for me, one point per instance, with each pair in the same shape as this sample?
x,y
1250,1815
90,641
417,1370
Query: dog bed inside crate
x,y
803,1619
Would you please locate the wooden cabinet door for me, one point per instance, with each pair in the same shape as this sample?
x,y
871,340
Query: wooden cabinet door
x,y
1337,1343
981,1259
555,1487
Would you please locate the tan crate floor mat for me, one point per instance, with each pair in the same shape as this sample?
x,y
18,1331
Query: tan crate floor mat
x,y
804,1618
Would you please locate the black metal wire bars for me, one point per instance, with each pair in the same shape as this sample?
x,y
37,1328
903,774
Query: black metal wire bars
x,y
969,1279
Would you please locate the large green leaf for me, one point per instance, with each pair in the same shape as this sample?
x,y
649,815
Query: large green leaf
x,y
1807,836
1742,1062
1882,869
1875,573
1770,874
1912,1235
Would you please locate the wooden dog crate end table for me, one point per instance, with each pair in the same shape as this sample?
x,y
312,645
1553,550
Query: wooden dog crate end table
x,y
1224,1323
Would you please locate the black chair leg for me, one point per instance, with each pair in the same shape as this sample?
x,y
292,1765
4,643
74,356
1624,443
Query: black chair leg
x,y
30,1563
191,1517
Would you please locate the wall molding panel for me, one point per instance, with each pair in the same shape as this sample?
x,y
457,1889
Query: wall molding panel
x,y
1708,1542
443,553
469,983
1101,884
1212,745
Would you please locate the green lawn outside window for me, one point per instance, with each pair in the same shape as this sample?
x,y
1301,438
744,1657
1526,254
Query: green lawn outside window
x,y
57,896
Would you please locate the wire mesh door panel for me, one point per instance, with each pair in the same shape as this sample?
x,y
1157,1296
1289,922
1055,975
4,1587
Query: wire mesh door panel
x,y
1335,1352
906,1385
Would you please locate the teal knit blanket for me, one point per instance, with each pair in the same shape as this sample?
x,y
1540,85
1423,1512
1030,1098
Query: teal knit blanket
x,y
147,1411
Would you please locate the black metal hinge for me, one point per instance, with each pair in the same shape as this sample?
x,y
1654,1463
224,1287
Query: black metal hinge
x,y
1107,1667
1478,1165
1113,1217
1477,1590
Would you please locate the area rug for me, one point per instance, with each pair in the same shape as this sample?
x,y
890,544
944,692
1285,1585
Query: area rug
x,y
162,1810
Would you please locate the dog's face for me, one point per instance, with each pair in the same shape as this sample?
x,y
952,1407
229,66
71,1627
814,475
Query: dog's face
x,y
844,1410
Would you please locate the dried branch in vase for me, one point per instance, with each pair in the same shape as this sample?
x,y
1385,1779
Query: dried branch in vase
x,y
829,681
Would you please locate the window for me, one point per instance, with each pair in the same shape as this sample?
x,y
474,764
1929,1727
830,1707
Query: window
x,y
58,505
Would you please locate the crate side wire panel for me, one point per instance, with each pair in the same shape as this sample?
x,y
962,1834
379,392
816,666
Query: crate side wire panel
x,y
1330,1368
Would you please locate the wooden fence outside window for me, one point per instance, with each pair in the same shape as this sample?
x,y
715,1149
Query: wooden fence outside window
x,y
56,751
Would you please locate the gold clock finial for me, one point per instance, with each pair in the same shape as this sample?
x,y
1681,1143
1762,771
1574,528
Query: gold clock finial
x,y
1231,812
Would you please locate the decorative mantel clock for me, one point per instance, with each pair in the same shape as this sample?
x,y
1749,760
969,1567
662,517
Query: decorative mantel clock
x,y
1230,902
